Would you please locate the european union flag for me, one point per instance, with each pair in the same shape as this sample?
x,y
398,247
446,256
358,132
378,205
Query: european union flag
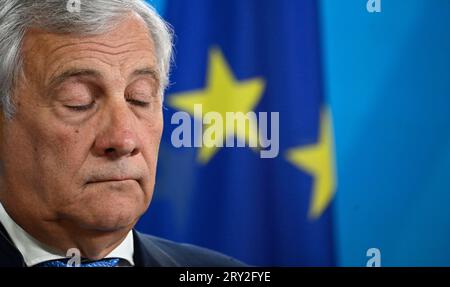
x,y
249,56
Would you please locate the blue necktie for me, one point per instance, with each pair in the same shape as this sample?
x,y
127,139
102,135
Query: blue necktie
x,y
107,262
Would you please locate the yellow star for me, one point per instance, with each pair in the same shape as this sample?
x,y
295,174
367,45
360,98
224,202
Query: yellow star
x,y
318,161
223,94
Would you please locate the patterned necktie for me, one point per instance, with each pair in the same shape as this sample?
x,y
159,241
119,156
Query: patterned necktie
x,y
107,262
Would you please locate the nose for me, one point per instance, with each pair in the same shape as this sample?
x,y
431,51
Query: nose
x,y
117,136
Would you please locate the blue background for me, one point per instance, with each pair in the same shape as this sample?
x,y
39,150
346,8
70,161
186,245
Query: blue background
x,y
386,77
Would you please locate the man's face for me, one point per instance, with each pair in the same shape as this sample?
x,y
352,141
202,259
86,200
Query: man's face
x,y
82,146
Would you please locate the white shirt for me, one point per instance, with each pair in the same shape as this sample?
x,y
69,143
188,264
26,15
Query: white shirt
x,y
34,252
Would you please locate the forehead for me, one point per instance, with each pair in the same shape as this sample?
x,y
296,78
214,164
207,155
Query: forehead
x,y
128,42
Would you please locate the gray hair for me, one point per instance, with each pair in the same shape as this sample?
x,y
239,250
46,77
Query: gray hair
x,y
93,18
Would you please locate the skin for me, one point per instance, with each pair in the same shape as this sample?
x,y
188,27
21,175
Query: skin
x,y
79,156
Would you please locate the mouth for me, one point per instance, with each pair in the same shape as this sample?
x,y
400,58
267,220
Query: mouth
x,y
111,179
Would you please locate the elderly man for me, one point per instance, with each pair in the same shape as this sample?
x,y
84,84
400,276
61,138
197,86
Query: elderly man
x,y
82,95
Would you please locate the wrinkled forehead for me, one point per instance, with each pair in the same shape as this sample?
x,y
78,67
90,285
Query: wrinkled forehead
x,y
128,41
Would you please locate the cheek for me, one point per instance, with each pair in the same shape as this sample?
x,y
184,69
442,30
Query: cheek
x,y
63,156
41,161
61,151
151,138
65,146
18,154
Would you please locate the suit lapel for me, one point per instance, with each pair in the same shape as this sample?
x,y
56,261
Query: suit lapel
x,y
142,256
148,254
9,255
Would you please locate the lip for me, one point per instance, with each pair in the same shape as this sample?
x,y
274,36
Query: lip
x,y
110,180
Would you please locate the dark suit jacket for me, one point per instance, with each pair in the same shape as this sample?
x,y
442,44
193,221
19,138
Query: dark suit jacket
x,y
149,251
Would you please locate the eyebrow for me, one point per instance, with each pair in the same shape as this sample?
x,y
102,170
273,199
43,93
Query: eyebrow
x,y
89,72
146,72
74,73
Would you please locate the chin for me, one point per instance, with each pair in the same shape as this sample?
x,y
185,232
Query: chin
x,y
105,209
110,223
108,219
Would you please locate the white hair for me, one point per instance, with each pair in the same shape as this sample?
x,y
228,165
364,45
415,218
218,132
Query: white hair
x,y
94,17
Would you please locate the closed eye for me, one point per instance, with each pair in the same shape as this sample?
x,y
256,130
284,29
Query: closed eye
x,y
81,108
138,103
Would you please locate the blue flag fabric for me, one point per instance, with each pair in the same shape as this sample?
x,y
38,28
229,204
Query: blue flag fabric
x,y
268,212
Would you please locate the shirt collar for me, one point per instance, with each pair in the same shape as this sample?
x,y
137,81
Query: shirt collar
x,y
34,252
